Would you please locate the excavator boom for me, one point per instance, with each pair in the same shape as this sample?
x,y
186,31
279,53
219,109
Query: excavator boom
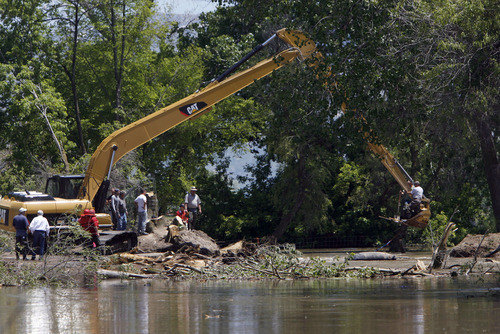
x,y
392,165
126,139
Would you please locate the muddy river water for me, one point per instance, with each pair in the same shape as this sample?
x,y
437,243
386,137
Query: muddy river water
x,y
414,305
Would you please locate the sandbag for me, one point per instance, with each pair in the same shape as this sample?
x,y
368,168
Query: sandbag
x,y
368,256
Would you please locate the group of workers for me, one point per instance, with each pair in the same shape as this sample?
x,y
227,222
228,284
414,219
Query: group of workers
x,y
187,213
119,212
39,228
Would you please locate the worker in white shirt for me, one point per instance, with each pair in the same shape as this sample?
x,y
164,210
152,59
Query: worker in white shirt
x,y
40,229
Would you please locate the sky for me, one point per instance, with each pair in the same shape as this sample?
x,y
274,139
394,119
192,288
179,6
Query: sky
x,y
193,7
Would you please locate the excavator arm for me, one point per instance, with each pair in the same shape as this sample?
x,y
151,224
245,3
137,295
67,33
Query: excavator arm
x,y
421,219
392,165
126,139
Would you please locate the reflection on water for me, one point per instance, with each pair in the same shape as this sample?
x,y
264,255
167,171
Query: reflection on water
x,y
320,306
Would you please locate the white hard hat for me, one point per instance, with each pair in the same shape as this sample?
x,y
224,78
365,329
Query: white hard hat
x,y
21,210
40,212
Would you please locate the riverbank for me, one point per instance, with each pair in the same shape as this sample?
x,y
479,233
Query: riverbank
x,y
194,255
275,263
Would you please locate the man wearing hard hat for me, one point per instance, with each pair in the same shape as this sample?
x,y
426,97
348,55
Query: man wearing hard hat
x,y
21,224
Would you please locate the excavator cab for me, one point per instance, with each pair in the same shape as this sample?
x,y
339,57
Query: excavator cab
x,y
64,186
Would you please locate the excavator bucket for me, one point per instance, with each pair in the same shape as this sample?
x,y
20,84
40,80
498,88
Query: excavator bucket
x,y
298,40
420,220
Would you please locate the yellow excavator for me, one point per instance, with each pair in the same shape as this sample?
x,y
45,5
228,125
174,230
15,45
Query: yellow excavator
x,y
67,195
71,194
419,219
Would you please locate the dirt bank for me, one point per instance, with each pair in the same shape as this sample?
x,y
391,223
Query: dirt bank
x,y
477,245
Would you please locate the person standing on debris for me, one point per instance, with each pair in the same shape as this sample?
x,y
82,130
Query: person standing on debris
x,y
141,203
193,204
115,202
122,212
88,221
40,229
21,224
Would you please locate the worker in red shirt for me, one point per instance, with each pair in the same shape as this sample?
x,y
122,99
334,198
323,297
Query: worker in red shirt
x,y
183,214
88,221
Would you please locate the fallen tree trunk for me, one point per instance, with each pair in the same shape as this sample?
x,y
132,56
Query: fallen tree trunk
x,y
121,274
126,257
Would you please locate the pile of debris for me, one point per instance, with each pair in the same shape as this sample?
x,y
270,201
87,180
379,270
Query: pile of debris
x,y
168,250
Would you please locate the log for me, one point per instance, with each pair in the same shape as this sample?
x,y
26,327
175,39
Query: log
x,y
389,271
173,231
184,266
126,257
203,257
121,274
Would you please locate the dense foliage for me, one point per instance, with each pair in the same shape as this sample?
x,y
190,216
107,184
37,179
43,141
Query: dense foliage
x,y
424,74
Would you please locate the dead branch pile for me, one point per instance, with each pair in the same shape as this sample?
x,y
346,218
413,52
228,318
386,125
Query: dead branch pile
x,y
242,260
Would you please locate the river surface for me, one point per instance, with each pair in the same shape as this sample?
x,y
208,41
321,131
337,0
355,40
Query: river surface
x,y
396,305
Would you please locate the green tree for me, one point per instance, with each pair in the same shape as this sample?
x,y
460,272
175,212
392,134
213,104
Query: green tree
x,y
461,76
37,118
304,132
70,19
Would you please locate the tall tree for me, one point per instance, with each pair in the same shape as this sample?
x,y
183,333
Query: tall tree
x,y
458,53
122,37
35,116
69,16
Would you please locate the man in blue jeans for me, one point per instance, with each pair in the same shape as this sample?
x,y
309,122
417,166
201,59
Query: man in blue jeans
x,y
122,212
40,229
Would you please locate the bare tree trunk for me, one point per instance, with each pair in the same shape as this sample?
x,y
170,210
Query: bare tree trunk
x,y
491,163
118,53
71,72
74,90
299,200
43,110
